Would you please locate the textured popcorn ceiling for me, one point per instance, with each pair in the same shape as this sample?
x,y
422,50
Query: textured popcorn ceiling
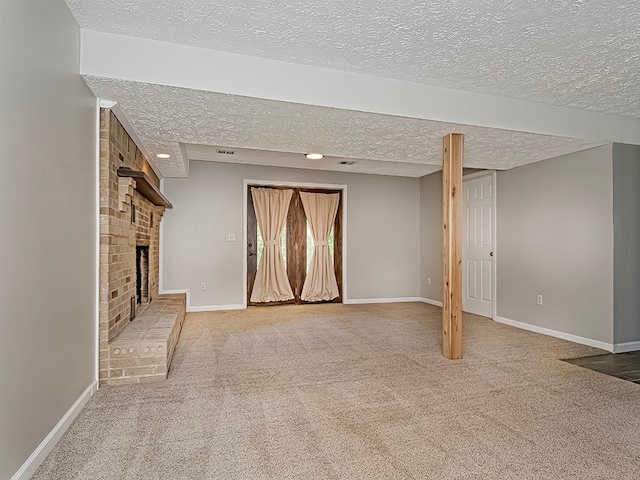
x,y
578,53
165,117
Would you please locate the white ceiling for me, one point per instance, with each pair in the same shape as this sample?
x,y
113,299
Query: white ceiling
x,y
166,117
583,54
247,156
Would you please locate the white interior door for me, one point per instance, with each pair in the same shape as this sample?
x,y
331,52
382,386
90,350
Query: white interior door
x,y
478,247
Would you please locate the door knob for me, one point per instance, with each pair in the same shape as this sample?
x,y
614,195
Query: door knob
x,y
491,254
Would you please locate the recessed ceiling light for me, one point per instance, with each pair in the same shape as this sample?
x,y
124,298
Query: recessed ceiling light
x,y
314,156
163,155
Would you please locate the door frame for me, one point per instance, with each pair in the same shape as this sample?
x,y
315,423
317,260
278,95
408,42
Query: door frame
x,y
272,183
494,279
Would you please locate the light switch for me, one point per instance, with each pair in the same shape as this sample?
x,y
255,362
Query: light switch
x,y
230,237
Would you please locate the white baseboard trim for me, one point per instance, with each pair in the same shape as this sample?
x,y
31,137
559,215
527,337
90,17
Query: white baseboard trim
x,y
555,333
214,308
626,347
32,463
437,303
360,301
202,308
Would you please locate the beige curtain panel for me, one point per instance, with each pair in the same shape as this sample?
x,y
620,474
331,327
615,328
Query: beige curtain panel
x,y
321,210
271,284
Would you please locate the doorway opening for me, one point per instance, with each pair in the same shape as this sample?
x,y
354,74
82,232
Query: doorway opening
x,y
479,244
296,242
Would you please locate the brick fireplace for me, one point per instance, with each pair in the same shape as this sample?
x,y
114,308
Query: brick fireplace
x,y
131,209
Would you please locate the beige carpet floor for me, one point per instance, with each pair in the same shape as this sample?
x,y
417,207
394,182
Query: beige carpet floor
x,y
357,392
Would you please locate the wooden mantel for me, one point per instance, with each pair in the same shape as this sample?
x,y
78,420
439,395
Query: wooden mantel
x,y
143,185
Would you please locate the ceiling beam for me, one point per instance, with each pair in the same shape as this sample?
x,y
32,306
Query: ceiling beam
x,y
149,61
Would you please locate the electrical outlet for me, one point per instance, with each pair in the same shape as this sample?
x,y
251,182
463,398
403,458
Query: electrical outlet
x,y
203,286
230,237
429,281
539,300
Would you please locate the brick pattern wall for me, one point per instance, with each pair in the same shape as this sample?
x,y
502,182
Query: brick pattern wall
x,y
143,352
118,235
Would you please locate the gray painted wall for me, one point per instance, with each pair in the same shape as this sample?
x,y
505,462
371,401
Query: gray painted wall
x,y
626,235
555,238
47,242
431,236
383,231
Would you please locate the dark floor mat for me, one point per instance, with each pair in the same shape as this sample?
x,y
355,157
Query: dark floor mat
x,y
621,365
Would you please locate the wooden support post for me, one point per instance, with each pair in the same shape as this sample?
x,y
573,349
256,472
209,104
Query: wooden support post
x,y
453,155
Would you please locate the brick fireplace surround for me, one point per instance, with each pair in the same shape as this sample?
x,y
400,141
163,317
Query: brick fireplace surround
x,y
138,350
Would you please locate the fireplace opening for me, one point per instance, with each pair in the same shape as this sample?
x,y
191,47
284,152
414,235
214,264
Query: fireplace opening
x,y
142,275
